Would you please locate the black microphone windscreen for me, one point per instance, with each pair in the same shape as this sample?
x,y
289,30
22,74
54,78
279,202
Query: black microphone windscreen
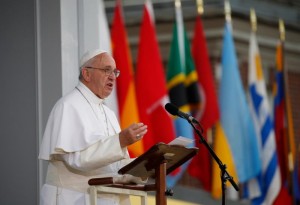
x,y
172,109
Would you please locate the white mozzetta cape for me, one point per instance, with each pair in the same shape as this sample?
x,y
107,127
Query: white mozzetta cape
x,y
73,124
77,134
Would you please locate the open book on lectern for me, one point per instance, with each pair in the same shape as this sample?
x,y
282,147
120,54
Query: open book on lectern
x,y
173,154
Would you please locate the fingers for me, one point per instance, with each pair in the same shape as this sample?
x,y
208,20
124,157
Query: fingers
x,y
132,134
139,130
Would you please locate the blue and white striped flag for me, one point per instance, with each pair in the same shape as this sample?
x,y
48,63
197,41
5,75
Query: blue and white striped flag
x,y
265,188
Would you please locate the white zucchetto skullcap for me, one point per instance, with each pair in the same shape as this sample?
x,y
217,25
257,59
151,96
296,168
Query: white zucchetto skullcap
x,y
89,55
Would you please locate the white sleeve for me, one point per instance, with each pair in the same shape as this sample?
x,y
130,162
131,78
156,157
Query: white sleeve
x,y
102,153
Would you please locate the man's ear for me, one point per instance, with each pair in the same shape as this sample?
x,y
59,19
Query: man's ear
x,y
86,74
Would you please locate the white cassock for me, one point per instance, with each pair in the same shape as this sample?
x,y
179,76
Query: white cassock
x,y
81,142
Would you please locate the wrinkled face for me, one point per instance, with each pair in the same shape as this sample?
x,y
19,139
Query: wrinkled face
x,y
97,75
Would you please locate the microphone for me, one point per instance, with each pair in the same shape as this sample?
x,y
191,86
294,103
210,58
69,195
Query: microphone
x,y
173,110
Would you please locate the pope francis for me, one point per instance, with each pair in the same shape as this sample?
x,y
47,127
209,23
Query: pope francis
x,y
83,139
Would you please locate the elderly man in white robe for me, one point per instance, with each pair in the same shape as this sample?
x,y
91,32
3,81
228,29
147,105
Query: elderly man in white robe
x,y
83,139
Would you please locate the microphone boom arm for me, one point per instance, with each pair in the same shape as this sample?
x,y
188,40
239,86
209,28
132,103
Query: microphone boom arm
x,y
173,110
224,174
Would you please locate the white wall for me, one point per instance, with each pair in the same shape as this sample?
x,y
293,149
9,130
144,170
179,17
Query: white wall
x,y
18,118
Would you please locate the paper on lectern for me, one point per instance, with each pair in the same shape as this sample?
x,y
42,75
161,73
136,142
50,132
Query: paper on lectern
x,y
183,141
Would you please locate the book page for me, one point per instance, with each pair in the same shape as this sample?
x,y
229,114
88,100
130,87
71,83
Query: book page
x,y
183,141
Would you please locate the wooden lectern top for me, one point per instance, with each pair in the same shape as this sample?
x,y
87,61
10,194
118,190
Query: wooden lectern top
x,y
159,160
145,165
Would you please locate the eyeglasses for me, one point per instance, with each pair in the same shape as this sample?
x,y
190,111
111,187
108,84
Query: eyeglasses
x,y
108,71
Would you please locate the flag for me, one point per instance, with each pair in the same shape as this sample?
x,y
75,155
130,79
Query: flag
x,y
266,186
105,44
289,127
151,84
296,176
200,166
279,103
236,120
128,109
235,115
222,149
280,124
182,85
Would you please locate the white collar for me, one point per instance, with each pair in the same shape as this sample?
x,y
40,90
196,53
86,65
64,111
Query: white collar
x,y
88,94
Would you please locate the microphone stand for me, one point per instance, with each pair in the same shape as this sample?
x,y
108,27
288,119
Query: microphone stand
x,y
224,174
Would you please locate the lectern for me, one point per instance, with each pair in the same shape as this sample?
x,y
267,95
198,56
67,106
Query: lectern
x,y
157,162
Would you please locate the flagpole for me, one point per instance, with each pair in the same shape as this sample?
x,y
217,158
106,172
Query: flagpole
x,y
224,174
200,8
290,129
227,11
253,20
200,11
